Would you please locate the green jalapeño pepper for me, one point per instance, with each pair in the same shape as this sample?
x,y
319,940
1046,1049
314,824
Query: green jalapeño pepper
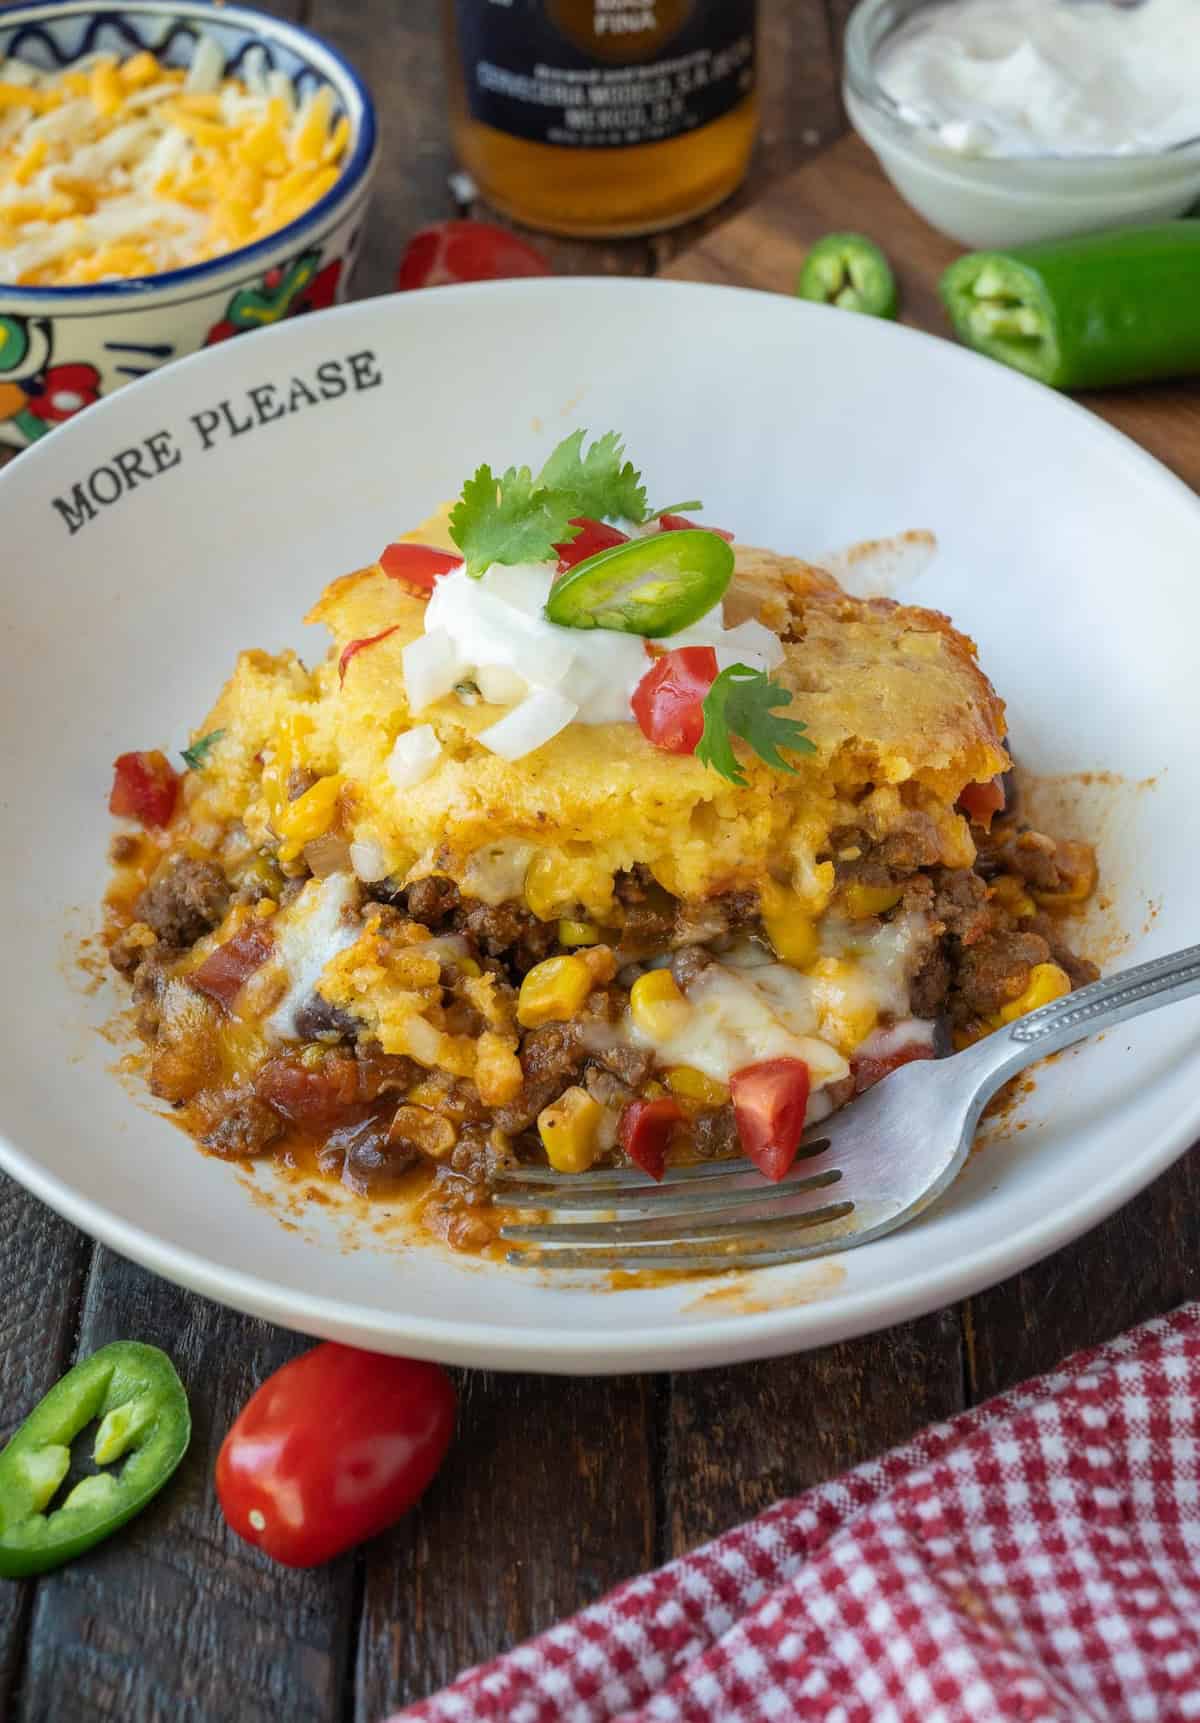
x,y
849,270
653,586
1089,313
137,1397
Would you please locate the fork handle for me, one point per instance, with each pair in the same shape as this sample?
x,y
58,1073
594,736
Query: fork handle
x,y
1102,1004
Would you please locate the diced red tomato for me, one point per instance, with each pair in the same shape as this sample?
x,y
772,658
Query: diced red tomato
x,y
980,802
417,566
680,523
145,787
309,1094
769,1103
645,1131
452,251
225,971
332,1449
868,1070
357,646
668,702
593,536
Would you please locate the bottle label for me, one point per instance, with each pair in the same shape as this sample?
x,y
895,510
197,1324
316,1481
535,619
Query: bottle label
x,y
604,74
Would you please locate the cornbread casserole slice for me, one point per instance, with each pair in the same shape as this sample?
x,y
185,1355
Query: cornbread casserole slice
x,y
382,914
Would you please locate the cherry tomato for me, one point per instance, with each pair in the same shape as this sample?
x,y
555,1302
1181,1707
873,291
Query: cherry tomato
x,y
145,787
593,535
417,566
225,971
668,702
867,1069
981,801
356,646
769,1102
645,1131
331,1450
452,251
680,523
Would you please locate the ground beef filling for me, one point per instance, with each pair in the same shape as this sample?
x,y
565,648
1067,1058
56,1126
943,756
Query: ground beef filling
x,y
374,1115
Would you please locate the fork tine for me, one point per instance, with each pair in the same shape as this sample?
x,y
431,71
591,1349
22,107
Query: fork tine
x,y
682,1227
698,1257
622,1178
632,1201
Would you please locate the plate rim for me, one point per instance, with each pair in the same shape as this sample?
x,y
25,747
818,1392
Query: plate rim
x,y
673,1343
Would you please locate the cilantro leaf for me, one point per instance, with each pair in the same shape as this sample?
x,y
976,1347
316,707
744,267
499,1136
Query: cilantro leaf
x,y
196,756
510,519
600,483
741,703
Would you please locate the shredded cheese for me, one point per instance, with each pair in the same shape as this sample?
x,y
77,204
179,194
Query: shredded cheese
x,y
113,169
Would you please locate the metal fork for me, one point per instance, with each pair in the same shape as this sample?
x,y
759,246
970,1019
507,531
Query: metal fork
x,y
862,1173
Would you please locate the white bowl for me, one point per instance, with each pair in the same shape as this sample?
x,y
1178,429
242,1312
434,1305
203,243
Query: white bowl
x,y
61,348
991,201
1067,552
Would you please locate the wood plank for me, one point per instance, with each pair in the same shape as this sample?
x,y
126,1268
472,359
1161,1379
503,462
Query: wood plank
x,y
741,1438
844,188
175,1616
546,1500
399,50
42,1265
1142,1261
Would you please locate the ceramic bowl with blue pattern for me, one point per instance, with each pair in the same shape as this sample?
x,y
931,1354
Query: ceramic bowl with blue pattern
x,y
61,348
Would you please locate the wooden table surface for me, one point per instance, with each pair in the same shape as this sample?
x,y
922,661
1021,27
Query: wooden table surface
x,y
555,1489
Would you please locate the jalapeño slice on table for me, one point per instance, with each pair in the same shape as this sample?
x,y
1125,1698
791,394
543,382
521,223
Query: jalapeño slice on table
x,y
850,271
135,1393
653,586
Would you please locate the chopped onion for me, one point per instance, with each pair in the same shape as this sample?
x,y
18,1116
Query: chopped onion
x,y
327,855
539,717
414,755
750,643
499,685
431,668
368,860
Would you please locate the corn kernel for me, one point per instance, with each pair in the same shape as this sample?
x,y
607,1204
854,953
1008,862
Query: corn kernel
x,y
654,1091
1009,891
788,925
657,1006
570,1131
545,891
467,966
688,1084
1047,981
553,991
862,900
578,933
431,1133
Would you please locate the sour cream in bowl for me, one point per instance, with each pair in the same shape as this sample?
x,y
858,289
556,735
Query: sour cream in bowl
x,y
1008,121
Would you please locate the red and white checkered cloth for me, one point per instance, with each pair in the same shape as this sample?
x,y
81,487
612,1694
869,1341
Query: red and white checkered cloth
x,y
1036,1560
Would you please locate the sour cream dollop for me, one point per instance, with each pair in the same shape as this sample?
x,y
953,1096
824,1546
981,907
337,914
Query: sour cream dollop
x,y
492,633
1058,77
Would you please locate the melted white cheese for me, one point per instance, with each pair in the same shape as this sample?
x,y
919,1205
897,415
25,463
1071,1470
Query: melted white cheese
x,y
308,933
740,1017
